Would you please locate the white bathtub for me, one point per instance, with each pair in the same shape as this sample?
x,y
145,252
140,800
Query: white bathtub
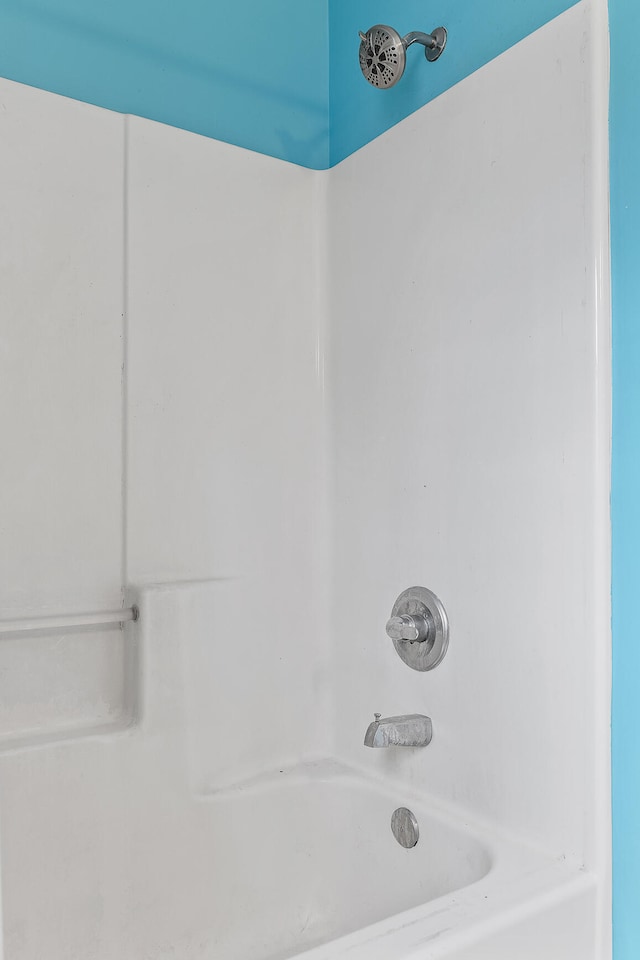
x,y
300,863
313,870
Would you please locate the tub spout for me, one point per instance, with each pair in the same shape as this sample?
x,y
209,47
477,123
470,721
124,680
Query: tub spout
x,y
412,730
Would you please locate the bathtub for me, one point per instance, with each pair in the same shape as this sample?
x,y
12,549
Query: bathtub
x,y
317,874
300,863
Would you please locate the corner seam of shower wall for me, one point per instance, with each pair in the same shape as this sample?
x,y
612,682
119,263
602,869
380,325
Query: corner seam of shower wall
x,y
321,181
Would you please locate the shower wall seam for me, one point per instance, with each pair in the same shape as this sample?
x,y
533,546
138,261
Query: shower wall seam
x,y
125,356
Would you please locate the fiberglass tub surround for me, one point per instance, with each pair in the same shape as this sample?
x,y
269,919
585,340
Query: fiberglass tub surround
x,y
311,420
306,851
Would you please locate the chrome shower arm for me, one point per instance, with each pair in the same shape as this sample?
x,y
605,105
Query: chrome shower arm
x,y
416,36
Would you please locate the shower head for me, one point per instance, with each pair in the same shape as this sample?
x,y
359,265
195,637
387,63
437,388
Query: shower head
x,y
383,52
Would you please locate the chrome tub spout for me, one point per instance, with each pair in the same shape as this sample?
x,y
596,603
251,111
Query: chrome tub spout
x,y
411,730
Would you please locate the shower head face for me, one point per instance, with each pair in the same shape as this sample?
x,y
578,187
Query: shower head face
x,y
383,56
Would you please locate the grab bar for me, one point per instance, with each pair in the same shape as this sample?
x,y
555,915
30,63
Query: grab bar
x,y
55,624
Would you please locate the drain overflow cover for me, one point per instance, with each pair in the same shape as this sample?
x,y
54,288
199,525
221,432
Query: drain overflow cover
x,y
405,827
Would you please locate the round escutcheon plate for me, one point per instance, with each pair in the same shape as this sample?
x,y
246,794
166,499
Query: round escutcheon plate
x,y
425,654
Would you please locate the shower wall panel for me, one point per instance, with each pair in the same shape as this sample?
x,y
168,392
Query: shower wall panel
x,y
225,474
162,306
469,365
61,308
61,302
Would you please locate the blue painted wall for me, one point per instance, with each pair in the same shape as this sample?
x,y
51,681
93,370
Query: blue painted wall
x,y
277,76
251,72
478,32
624,17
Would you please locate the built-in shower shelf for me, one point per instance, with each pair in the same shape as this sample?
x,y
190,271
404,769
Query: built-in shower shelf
x,y
66,677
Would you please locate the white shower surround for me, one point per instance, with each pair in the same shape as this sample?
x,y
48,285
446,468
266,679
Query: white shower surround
x,y
337,384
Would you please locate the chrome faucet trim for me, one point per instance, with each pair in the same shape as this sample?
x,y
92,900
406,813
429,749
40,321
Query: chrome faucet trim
x,y
412,730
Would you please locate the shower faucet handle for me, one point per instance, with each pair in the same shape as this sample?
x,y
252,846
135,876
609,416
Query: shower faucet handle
x,y
413,628
419,628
